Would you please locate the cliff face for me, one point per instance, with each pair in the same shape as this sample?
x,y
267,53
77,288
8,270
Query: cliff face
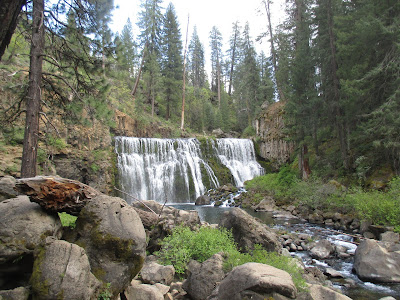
x,y
273,145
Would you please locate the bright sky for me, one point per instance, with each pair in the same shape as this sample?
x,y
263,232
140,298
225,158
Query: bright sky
x,y
205,14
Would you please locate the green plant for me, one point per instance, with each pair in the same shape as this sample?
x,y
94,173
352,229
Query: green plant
x,y
57,143
184,244
106,293
67,220
95,168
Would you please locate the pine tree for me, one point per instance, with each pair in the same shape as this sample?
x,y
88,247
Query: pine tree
x,y
196,64
171,66
247,81
216,59
127,49
150,23
233,52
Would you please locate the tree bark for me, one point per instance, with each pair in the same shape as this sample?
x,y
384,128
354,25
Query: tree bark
x,y
304,165
340,123
28,166
9,11
184,79
273,51
56,194
232,62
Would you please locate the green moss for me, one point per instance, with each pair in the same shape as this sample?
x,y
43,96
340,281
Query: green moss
x,y
40,286
99,274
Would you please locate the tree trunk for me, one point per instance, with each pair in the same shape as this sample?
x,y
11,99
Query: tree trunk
x,y
28,166
273,51
184,79
232,63
340,123
304,165
219,82
9,12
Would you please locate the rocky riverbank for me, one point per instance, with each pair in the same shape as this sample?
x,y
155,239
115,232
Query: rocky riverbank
x,y
104,256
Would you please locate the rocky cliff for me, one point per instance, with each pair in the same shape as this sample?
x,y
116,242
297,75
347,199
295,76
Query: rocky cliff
x,y
273,143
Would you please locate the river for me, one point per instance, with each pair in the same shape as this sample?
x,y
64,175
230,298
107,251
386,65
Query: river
x,y
359,290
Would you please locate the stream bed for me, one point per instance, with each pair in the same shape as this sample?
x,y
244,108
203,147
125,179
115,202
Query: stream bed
x,y
357,289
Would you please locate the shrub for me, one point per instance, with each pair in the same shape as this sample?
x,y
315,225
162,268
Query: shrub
x,y
67,220
184,244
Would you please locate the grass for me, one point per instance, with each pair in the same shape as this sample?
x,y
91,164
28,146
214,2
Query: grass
x,y
379,207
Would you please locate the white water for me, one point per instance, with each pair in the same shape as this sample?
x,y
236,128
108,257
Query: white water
x,y
239,157
162,169
171,169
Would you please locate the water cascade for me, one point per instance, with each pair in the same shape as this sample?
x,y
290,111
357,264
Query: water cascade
x,y
239,157
174,170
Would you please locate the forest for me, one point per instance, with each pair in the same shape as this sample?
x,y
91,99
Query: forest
x,y
333,63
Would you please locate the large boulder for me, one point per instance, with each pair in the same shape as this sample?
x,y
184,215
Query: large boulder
x,y
322,249
7,184
248,231
143,292
24,226
62,270
113,236
260,278
153,273
160,220
377,262
319,292
19,293
204,277
203,200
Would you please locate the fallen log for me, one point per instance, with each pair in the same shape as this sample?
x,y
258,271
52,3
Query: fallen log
x,y
56,194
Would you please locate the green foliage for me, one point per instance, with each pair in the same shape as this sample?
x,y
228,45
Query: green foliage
x,y
184,244
260,255
58,143
382,208
106,293
14,135
67,220
249,131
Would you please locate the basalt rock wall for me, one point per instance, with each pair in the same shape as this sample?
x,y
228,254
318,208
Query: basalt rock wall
x,y
273,144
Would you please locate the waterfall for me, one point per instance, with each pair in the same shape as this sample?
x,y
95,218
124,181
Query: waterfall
x,y
175,170
162,169
239,157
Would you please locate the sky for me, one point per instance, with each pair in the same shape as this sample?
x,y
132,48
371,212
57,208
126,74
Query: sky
x,y
205,14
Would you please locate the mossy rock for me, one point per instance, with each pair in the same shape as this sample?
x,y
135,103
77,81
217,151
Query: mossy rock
x,y
114,238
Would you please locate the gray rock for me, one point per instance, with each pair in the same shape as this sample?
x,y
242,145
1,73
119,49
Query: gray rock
x,y
24,226
389,236
203,277
203,200
143,292
322,249
62,268
264,279
267,204
332,273
20,293
369,235
113,236
319,292
7,184
164,289
387,298
375,262
248,231
152,273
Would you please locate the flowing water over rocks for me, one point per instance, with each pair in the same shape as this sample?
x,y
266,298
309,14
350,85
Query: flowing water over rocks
x,y
338,267
175,170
